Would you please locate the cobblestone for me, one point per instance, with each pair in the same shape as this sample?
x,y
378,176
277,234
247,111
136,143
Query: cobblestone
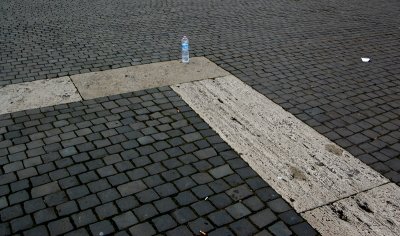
x,y
44,215
263,218
243,227
144,229
220,218
221,171
102,227
39,230
125,220
21,223
183,215
60,226
200,225
238,210
106,210
280,228
191,186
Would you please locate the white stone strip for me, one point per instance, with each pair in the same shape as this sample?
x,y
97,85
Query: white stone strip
x,y
35,94
306,168
374,212
134,78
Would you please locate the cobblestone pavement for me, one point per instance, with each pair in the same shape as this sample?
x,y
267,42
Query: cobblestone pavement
x,y
302,54
140,163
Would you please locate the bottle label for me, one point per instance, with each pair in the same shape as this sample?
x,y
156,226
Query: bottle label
x,y
185,46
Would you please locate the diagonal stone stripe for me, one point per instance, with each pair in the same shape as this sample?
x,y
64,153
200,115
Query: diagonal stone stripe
x,y
40,93
306,168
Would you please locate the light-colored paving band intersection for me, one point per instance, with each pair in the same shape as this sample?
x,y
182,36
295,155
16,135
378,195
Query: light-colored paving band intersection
x,y
42,93
134,78
334,191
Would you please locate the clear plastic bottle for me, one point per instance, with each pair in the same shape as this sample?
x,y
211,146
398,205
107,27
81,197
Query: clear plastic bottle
x,y
185,49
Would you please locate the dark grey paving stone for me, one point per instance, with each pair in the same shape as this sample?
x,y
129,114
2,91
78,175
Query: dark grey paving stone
x,y
185,198
108,195
254,203
11,212
219,185
220,200
263,233
165,204
88,201
239,192
200,226
84,218
131,188
21,223
125,220
238,210
280,228
102,227
77,192
145,229
164,222
290,217
263,218
44,215
106,210
202,191
184,215
303,229
203,207
220,218
145,212
60,226
278,205
127,203
221,231
181,230
78,232
38,230
34,205
243,227
45,189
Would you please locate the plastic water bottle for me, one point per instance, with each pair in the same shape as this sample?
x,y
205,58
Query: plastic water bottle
x,y
185,50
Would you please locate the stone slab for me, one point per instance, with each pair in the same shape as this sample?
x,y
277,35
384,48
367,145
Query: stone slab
x,y
306,168
35,94
374,212
134,78
45,189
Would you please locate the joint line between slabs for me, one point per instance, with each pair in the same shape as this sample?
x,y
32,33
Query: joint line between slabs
x,y
328,203
80,95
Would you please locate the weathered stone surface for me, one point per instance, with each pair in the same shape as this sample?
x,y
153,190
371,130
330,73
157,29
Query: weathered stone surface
x,y
374,212
42,93
299,163
131,187
45,189
221,171
134,78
